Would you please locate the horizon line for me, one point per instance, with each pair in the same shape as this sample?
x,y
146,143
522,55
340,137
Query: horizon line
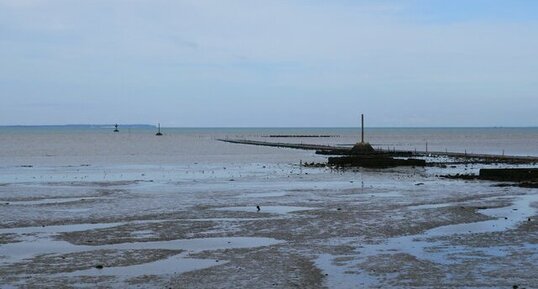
x,y
246,127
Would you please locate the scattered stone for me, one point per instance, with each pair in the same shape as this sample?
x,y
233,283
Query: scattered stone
x,y
461,176
373,161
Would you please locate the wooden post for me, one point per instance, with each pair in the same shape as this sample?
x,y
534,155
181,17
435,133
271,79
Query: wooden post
x,y
362,128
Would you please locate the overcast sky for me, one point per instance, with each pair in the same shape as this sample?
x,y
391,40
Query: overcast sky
x,y
269,63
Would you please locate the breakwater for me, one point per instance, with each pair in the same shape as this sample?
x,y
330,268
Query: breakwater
x,y
333,150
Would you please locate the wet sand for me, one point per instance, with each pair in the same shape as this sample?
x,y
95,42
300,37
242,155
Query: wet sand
x,y
197,226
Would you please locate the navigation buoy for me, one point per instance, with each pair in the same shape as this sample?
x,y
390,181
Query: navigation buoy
x,y
159,130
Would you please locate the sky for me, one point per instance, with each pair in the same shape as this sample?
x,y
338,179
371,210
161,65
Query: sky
x,y
273,63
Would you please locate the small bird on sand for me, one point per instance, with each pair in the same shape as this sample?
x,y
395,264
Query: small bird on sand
x,y
258,207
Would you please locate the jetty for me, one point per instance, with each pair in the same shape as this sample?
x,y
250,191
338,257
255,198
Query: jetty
x,y
335,150
300,146
363,154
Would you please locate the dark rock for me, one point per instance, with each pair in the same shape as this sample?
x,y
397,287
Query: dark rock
x,y
362,148
99,266
373,161
510,174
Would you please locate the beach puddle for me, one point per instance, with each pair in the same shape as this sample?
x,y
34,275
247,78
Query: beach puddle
x,y
423,247
34,247
341,276
173,265
432,206
264,195
74,211
59,228
142,234
506,218
267,209
179,263
427,245
386,194
51,201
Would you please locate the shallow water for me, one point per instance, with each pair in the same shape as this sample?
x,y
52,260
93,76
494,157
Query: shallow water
x,y
507,217
51,201
268,209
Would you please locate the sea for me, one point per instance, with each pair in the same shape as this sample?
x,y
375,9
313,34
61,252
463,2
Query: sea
x,y
66,145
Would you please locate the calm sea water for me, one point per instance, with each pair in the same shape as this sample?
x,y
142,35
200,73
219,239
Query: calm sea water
x,y
75,145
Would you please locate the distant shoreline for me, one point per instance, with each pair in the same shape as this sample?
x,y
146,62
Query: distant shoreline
x,y
81,126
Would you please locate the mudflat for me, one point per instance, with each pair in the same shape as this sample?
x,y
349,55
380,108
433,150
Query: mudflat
x,y
199,227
